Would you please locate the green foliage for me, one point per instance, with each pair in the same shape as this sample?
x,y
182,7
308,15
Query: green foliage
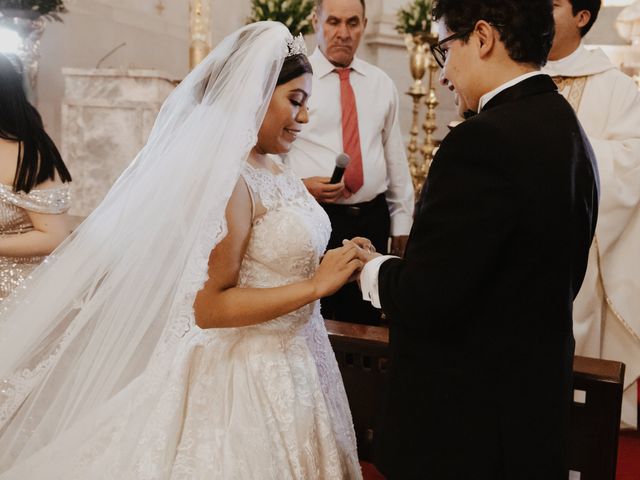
x,y
415,17
49,9
295,14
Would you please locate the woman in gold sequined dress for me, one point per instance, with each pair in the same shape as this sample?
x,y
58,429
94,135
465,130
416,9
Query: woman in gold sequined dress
x,y
34,191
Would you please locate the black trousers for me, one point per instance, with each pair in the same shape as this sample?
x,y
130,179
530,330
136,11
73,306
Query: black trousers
x,y
370,220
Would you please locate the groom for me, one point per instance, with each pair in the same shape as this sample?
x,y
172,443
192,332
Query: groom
x,y
481,345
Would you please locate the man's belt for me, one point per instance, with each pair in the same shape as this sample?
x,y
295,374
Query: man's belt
x,y
354,209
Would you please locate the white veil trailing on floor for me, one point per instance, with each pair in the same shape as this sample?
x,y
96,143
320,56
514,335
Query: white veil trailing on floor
x,y
104,315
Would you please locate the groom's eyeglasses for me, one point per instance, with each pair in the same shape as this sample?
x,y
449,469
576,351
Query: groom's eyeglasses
x,y
440,54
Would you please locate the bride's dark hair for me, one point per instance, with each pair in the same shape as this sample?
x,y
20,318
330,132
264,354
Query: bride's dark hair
x,y
294,67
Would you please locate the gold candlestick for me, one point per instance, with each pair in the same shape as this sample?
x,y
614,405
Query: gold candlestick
x,y
429,126
417,46
199,30
415,161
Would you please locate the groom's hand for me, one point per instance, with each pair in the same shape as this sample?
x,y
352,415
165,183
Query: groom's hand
x,y
365,249
365,252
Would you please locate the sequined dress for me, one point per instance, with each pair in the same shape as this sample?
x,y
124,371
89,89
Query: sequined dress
x,y
14,220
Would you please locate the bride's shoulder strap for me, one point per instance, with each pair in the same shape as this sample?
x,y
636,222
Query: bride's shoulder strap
x,y
249,182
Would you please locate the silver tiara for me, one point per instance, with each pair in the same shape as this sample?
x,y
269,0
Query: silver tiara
x,y
296,46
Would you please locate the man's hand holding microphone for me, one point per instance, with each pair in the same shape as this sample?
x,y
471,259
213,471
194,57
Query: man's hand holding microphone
x,y
330,189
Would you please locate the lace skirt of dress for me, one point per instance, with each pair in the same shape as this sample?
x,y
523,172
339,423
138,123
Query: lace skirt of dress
x,y
249,403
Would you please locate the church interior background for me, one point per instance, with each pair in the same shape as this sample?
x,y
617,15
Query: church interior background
x,y
105,70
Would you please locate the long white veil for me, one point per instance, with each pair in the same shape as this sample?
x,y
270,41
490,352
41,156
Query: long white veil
x,y
104,315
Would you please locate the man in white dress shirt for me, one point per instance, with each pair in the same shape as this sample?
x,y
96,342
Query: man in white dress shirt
x,y
606,313
353,110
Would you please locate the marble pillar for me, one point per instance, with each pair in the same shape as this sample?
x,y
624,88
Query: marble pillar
x,y
107,115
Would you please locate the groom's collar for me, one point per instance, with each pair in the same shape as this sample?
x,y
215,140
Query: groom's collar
x,y
484,99
524,87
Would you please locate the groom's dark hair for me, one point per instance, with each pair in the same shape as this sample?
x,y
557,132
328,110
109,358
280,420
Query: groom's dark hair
x,y
526,27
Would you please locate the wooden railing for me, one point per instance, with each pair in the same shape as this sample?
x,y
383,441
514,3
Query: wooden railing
x,y
361,352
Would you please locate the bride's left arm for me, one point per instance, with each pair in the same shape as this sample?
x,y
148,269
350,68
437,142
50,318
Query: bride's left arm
x,y
221,303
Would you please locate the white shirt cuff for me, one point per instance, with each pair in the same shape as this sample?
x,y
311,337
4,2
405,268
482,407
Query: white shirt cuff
x,y
369,280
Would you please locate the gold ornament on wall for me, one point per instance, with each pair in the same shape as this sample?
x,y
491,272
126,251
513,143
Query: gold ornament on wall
x,y
199,30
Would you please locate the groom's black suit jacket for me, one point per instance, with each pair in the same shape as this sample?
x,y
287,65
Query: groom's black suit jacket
x,y
480,308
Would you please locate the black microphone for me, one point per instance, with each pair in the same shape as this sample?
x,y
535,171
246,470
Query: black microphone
x,y
342,161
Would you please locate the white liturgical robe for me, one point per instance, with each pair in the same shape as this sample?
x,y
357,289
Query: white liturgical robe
x,y
607,309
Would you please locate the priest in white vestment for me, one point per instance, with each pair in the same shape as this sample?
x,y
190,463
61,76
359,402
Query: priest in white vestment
x,y
607,102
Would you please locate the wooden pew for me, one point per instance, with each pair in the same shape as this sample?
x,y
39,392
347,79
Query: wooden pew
x,y
361,352
595,417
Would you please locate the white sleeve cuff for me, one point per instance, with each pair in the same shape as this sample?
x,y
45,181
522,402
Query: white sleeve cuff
x,y
369,280
401,224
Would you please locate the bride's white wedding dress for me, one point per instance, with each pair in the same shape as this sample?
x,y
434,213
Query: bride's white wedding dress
x,y
267,401
259,402
103,372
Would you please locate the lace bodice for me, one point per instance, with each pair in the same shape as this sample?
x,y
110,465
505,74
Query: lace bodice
x,y
288,239
289,234
14,220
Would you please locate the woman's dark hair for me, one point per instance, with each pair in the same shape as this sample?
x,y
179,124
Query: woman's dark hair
x,y
293,67
38,157
526,27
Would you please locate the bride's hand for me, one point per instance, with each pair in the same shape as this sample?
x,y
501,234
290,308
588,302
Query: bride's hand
x,y
362,242
336,268
364,248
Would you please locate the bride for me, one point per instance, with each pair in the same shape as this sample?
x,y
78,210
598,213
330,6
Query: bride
x,y
176,334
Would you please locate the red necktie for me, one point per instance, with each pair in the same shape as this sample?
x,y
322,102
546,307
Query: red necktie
x,y
353,177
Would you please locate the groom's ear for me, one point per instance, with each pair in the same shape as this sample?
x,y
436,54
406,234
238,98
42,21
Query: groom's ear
x,y
485,35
